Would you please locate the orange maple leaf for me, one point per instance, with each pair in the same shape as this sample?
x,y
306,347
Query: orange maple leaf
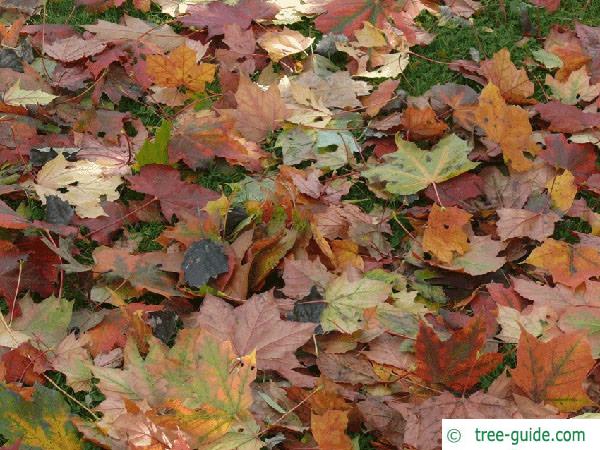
x,y
554,371
446,232
179,69
569,265
508,126
514,84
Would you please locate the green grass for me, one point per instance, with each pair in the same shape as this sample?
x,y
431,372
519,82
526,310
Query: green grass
x,y
510,361
564,229
218,175
66,12
491,31
145,233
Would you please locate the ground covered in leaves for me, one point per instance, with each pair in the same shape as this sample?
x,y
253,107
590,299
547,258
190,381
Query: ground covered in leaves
x,y
295,224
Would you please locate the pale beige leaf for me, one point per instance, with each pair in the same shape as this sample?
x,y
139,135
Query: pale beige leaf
x,y
280,44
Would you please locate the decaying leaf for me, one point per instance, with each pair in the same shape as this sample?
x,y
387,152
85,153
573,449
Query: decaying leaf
x,y
554,371
410,169
455,362
42,422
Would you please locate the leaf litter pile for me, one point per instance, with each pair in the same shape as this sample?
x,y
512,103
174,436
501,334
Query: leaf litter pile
x,y
227,225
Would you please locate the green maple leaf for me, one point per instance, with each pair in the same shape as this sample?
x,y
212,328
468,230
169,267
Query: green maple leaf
x,y
410,169
156,151
41,424
347,300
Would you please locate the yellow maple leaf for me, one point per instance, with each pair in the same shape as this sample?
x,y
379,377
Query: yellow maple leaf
x,y
508,126
562,190
180,68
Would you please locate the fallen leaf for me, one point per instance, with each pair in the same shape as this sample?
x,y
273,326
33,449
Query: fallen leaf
x,y
329,430
73,48
579,159
382,95
43,422
575,89
456,362
446,232
554,371
83,184
562,189
256,326
175,196
347,300
202,261
179,69
422,123
258,111
569,265
410,169
22,97
286,42
523,223
133,29
508,126
513,83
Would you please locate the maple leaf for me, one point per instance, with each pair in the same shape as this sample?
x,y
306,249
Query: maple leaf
x,y
575,89
155,151
22,97
513,321
179,69
38,424
410,169
455,362
206,407
567,118
582,319
144,272
10,219
284,43
579,159
258,112
562,190
45,323
73,48
347,300
569,265
508,126
424,421
422,123
216,15
523,223
82,184
301,275
446,232
256,325
28,265
175,196
204,260
345,16
200,136
329,430
134,29
554,371
382,95
513,83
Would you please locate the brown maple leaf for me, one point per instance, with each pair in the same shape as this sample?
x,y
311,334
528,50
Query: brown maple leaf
x,y
554,371
456,362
